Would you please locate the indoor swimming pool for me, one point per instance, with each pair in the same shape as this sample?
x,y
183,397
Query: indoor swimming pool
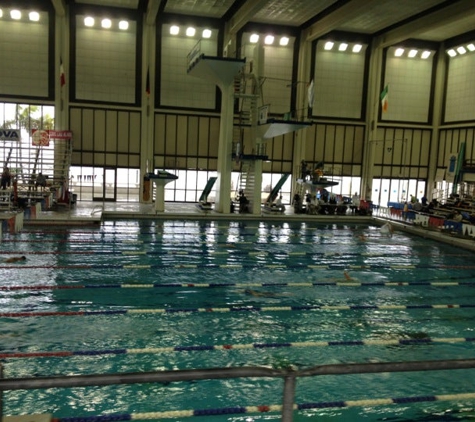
x,y
133,296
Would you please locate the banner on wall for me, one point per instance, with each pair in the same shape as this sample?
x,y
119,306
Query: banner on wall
x,y
42,137
451,169
10,134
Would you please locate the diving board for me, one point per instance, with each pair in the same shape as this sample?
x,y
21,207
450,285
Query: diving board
x,y
204,204
275,191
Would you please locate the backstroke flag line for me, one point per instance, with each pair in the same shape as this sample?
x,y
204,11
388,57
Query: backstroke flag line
x,y
384,99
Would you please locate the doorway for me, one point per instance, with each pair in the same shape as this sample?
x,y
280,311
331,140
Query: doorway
x,y
107,190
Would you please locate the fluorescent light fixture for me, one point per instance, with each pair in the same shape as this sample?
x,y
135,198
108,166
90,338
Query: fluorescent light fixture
x,y
1,13
425,54
471,47
190,31
328,45
412,53
357,48
206,33
89,21
461,50
269,39
343,46
174,30
399,52
124,25
284,41
106,23
15,14
254,38
34,16
451,52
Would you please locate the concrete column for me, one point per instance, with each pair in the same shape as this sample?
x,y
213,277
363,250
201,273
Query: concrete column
x,y
61,114
437,110
223,187
372,111
147,163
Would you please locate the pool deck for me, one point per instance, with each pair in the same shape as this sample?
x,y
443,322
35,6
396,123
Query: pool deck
x,y
92,213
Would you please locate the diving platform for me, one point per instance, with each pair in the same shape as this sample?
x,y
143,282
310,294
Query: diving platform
x,y
160,179
277,127
313,186
213,69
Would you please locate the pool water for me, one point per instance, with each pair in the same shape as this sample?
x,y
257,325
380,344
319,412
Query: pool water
x,y
147,287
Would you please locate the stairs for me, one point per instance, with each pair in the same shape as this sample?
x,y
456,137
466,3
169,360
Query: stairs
x,y
26,161
246,183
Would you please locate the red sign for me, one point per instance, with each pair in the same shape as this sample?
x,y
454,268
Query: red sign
x,y
56,134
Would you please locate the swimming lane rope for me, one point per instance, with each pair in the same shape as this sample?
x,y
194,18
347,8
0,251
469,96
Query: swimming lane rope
x,y
226,347
237,266
342,283
266,408
233,309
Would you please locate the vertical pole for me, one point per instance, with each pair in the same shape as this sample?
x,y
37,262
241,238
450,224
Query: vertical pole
x,y
288,399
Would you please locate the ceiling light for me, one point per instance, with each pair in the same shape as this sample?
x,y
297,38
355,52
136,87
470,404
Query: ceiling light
x,y
412,53
190,31
269,39
206,33
254,38
106,23
357,48
123,25
1,13
328,45
425,54
15,14
284,41
399,52
451,52
471,47
88,21
343,46
34,16
174,30
461,50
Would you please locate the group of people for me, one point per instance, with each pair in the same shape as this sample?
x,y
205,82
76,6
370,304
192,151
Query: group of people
x,y
39,181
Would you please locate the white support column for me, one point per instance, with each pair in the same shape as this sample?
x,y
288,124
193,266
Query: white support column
x,y
62,148
372,111
437,110
305,54
147,163
223,187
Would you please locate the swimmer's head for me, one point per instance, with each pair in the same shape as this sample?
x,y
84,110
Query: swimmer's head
x,y
23,257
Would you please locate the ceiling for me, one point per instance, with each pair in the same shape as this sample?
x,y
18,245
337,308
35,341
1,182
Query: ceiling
x,y
392,21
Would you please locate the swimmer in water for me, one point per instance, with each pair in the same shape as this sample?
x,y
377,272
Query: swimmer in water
x,y
251,292
387,229
15,259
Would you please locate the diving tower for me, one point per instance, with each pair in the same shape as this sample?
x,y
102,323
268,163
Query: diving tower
x,y
221,71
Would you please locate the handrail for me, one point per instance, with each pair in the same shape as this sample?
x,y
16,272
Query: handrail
x,y
289,375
